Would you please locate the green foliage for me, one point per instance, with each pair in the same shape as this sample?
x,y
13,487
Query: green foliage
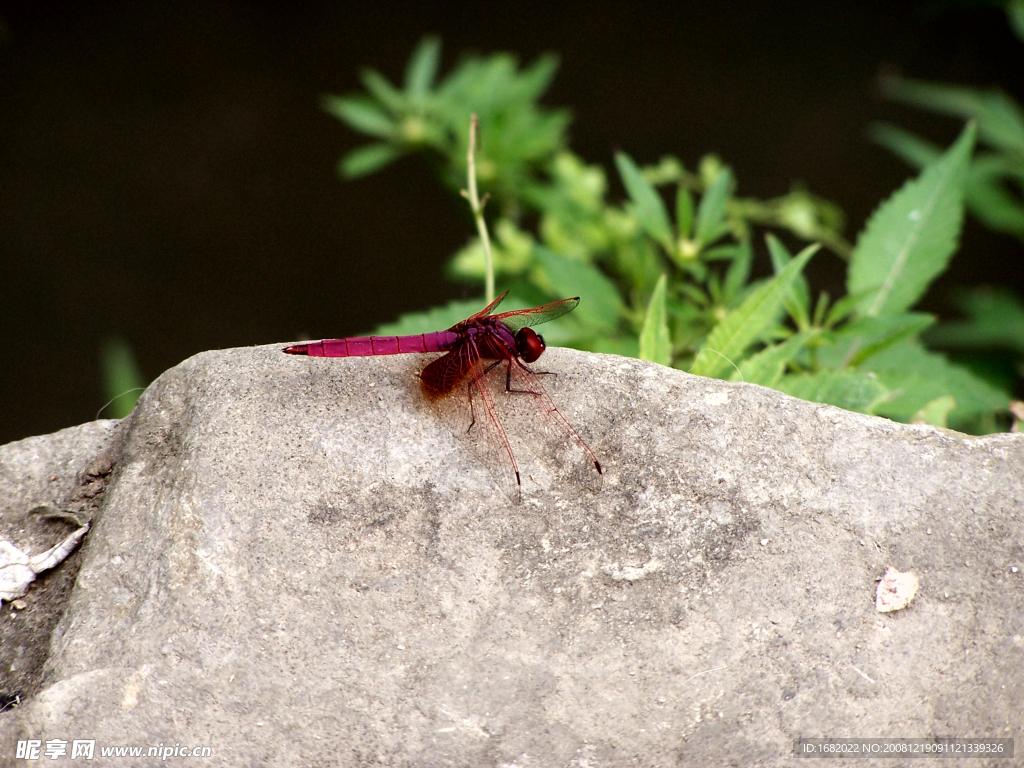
x,y
122,380
433,117
909,240
740,328
995,320
655,342
668,273
989,340
995,182
935,412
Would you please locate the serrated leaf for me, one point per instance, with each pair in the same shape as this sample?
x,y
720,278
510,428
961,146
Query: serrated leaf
x,y
767,366
911,236
648,207
368,159
600,305
852,390
917,376
985,192
433,319
798,301
935,412
360,114
655,344
422,68
711,209
745,324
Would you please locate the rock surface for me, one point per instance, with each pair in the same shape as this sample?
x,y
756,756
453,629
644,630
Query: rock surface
x,y
67,471
295,563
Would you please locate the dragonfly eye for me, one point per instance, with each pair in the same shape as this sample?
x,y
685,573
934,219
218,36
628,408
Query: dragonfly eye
x,y
529,344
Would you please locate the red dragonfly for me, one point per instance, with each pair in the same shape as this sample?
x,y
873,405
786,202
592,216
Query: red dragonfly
x,y
486,369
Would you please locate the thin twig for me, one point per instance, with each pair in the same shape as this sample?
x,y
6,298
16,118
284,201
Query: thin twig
x,y
478,209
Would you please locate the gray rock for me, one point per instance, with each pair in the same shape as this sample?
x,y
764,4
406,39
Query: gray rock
x,y
296,563
66,472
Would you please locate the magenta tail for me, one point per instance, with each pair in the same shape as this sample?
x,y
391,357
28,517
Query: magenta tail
x,y
363,346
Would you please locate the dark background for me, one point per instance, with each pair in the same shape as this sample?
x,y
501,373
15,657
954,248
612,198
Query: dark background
x,y
167,175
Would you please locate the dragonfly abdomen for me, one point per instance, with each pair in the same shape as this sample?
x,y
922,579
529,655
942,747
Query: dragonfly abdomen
x,y
364,346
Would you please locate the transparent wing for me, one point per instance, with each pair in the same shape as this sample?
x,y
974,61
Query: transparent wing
x,y
485,311
536,425
527,318
458,389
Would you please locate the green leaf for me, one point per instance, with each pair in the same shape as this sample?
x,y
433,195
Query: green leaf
x,y
535,79
988,197
798,299
911,237
365,160
996,320
422,68
360,114
1015,15
985,193
913,149
122,380
892,330
935,412
648,207
1000,119
748,322
600,305
655,344
846,306
382,90
865,337
852,390
739,271
918,376
624,346
433,319
767,366
711,210
684,212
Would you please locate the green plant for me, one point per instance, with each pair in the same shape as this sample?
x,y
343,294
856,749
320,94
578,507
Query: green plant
x,y
674,284
122,380
990,338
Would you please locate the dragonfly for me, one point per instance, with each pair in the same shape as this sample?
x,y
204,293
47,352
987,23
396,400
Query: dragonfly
x,y
486,369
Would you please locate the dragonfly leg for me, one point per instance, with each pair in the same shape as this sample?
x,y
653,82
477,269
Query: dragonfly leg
x,y
508,378
469,393
472,414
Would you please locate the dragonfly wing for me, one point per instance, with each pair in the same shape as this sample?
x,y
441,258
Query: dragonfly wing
x,y
527,318
547,433
486,310
458,388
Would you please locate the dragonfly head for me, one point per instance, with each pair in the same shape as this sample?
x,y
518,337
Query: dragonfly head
x,y
529,344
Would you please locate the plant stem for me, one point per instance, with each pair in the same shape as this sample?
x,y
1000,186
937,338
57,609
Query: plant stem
x,y
478,210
